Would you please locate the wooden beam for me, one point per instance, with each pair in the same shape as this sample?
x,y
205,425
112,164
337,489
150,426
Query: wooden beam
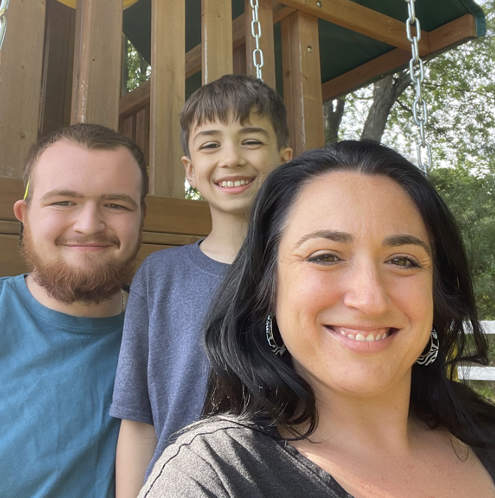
x,y
266,42
56,91
302,81
455,32
97,62
216,36
20,83
168,29
355,17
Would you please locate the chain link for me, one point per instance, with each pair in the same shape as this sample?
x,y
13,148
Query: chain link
x,y
417,74
258,60
4,5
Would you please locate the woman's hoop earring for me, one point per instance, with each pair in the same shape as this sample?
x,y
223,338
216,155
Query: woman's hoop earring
x,y
275,348
430,356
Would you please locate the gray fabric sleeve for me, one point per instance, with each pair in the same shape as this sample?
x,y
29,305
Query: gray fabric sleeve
x,y
130,396
183,474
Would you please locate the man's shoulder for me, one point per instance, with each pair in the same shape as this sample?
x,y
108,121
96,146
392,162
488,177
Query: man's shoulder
x,y
10,282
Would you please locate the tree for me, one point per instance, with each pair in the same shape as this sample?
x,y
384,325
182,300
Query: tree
x,y
459,89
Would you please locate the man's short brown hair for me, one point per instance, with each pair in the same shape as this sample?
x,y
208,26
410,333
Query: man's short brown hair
x,y
238,95
91,136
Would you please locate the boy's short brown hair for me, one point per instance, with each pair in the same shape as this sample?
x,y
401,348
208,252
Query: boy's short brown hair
x,y
236,94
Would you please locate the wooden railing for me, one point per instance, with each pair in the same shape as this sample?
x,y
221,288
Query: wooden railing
x,y
469,372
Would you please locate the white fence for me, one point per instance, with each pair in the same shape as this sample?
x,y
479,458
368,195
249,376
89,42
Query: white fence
x,y
479,373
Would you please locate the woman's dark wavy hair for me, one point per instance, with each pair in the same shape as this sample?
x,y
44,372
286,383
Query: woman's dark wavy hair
x,y
248,379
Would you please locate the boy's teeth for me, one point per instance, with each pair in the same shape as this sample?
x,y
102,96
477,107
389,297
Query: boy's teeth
x,y
235,183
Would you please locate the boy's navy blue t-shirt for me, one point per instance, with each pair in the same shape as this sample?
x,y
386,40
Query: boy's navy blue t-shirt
x,y
162,370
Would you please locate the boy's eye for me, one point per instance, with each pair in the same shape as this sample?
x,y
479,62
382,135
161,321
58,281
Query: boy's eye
x,y
324,258
209,145
252,142
404,262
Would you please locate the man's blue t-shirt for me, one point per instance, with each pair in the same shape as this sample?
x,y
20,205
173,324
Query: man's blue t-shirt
x,y
56,378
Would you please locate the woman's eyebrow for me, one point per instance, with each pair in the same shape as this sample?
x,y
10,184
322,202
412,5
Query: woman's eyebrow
x,y
406,239
334,235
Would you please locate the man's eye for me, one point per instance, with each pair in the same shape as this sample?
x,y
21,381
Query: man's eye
x,y
63,203
112,205
404,262
325,258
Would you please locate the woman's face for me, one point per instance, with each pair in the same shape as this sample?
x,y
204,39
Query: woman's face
x,y
354,294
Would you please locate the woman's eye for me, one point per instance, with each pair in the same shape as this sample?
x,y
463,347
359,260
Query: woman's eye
x,y
404,262
324,258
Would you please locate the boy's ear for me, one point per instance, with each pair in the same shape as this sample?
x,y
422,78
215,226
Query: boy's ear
x,y
20,208
189,170
286,154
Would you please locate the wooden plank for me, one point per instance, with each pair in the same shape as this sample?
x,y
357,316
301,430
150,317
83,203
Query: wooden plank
x,y
20,83
457,31
302,81
10,227
135,100
452,33
11,189
97,62
56,92
168,29
368,22
476,373
216,36
177,216
365,73
267,44
11,261
143,131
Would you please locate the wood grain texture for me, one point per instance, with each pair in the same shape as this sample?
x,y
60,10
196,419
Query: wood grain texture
x,y
168,25
97,62
20,83
302,81
216,36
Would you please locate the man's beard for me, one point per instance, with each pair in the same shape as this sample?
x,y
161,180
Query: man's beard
x,y
93,284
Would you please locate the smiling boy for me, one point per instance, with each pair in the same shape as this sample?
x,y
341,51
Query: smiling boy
x,y
234,132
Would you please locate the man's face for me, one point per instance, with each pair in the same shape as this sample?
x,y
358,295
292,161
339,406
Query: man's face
x,y
82,224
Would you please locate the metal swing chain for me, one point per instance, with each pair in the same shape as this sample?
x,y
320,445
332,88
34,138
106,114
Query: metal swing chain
x,y
258,61
4,5
416,71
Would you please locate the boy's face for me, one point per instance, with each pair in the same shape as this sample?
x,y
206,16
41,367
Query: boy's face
x,y
229,161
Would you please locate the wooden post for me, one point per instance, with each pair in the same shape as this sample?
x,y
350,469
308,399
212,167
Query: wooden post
x,y
20,83
168,60
97,62
216,39
265,16
302,81
56,89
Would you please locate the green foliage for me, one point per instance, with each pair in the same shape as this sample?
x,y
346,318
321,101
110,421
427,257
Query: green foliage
x,y
472,200
459,89
136,68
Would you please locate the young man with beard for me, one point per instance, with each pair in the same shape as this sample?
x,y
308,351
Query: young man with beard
x,y
62,323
